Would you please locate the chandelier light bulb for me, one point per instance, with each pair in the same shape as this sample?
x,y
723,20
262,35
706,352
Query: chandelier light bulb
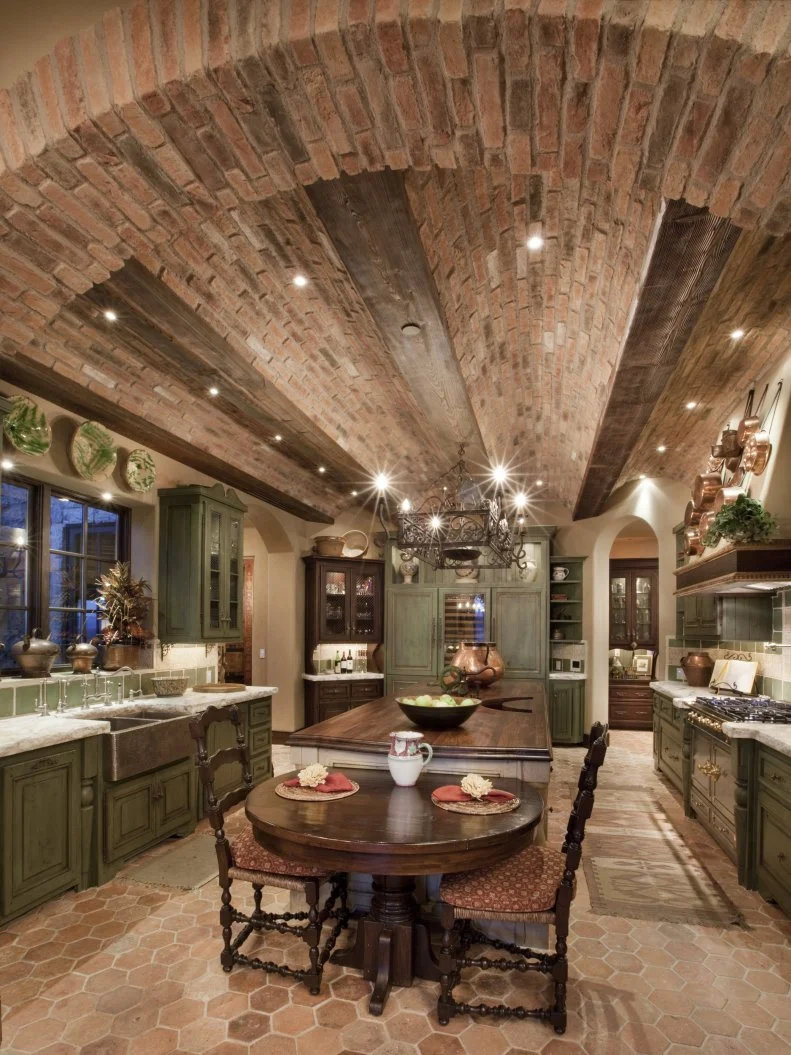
x,y
406,505
499,474
354,494
521,521
381,481
539,483
520,500
436,523
641,476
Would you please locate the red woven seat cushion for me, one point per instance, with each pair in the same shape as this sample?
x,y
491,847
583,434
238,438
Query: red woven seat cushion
x,y
249,855
526,882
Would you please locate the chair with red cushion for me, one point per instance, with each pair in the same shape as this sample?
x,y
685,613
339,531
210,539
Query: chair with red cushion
x,y
536,885
243,859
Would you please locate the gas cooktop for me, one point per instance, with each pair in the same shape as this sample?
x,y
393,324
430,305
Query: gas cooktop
x,y
746,708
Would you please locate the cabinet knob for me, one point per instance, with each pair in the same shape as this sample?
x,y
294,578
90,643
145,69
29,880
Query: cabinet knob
x,y
776,778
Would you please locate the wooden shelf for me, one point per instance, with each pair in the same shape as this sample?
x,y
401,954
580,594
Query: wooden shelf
x,y
557,600
571,622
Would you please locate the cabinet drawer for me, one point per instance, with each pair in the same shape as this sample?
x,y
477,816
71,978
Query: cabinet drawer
x,y
331,691
631,712
261,713
366,690
774,773
630,692
670,756
701,807
260,742
724,831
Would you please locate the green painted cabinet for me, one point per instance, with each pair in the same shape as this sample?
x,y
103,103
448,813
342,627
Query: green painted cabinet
x,y
200,564
41,830
519,626
412,616
701,616
773,826
566,711
144,810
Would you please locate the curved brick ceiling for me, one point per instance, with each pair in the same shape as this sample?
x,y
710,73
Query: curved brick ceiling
x,y
180,134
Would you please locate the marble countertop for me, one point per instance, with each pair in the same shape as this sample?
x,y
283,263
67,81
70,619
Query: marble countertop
x,y
682,695
778,737
567,675
341,677
29,732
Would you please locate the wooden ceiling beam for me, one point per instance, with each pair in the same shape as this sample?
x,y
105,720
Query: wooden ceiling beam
x,y
370,223
692,248
38,379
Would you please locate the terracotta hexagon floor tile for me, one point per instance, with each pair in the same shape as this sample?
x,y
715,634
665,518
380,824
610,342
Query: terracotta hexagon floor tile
x,y
767,981
249,1026
107,1045
750,1013
274,1044
89,1028
335,1014
680,1004
681,1030
293,1020
269,998
135,1021
105,980
227,1005
155,1042
319,1041
441,1044
350,987
365,1035
763,1042
647,1040
202,1035
120,999
484,1040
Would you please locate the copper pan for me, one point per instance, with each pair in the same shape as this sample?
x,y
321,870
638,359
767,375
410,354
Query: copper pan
x,y
717,451
706,521
747,426
692,515
738,478
726,496
729,441
757,451
705,488
693,546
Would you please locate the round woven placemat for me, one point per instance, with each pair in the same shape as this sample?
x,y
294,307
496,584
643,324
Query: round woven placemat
x,y
311,795
479,809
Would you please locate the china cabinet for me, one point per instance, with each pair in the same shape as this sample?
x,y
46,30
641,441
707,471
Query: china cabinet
x,y
633,603
343,601
201,531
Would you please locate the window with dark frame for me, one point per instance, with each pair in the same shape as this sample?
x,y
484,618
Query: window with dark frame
x,y
53,546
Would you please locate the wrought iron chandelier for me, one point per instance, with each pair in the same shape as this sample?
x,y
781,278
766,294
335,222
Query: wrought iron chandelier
x,y
458,525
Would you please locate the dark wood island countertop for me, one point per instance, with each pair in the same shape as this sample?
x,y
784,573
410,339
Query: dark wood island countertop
x,y
490,733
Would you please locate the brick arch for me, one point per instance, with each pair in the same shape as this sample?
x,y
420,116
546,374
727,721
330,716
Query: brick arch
x,y
161,132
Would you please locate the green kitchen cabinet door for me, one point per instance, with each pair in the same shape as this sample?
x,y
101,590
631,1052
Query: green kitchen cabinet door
x,y
519,626
566,711
174,794
412,649
130,817
180,567
219,737
222,573
41,836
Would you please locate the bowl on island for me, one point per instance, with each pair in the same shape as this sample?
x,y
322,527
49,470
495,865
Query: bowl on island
x,y
438,712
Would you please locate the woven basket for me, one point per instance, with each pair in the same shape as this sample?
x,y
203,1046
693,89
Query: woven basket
x,y
170,685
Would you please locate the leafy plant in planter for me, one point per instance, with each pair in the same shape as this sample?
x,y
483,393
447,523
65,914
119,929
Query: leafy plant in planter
x,y
744,520
123,603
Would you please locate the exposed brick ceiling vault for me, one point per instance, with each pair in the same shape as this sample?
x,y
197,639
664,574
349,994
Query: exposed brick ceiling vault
x,y
181,135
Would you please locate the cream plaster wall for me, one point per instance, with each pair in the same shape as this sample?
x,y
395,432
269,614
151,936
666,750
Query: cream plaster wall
x,y
625,548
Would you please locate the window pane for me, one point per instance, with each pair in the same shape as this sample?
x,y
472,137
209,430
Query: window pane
x,y
15,514
13,627
64,627
13,576
65,582
66,524
102,533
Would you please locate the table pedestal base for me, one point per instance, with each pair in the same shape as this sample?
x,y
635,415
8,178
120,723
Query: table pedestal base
x,y
392,946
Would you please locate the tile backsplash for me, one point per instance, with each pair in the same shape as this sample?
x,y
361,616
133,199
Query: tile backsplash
x,y
21,695
570,655
773,658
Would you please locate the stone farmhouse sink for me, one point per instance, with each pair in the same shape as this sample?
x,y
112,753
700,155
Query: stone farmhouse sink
x,y
141,740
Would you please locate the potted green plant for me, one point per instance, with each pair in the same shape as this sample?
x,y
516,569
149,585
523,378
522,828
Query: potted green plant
x,y
123,603
744,520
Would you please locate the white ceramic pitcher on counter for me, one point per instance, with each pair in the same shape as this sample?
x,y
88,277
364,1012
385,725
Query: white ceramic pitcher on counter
x,y
407,756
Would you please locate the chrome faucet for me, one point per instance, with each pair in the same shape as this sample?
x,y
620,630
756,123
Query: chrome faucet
x,y
96,696
60,709
41,706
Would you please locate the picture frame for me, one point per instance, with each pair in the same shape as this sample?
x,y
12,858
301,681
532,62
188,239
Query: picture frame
x,y
641,664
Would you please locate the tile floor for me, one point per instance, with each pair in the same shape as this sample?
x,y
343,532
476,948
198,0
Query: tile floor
x,y
133,970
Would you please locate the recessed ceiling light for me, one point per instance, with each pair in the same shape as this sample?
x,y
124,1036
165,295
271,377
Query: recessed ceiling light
x,y
535,241
539,483
410,329
6,465
107,496
300,280
278,437
214,391
736,335
110,315
381,481
354,494
691,405
322,469
641,476
661,448
499,474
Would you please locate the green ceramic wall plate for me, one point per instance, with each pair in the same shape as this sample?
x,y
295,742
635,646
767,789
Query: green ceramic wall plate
x,y
139,471
93,451
27,427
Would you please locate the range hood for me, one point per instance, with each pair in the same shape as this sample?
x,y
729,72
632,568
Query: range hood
x,y
748,570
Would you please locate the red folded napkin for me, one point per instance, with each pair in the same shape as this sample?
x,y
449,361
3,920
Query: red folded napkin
x,y
334,782
453,793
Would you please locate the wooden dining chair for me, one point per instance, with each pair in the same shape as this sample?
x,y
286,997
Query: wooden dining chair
x,y
536,885
244,860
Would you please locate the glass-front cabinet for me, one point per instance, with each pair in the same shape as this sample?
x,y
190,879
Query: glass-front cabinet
x,y
464,617
201,565
633,604
345,600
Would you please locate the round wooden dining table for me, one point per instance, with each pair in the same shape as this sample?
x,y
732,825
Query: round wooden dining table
x,y
393,834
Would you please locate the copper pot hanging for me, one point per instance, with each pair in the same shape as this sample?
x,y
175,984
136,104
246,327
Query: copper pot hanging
x,y
738,478
729,440
726,496
693,546
757,451
705,524
750,422
705,488
692,515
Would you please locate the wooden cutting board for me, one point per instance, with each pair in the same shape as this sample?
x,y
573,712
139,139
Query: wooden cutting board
x,y
214,687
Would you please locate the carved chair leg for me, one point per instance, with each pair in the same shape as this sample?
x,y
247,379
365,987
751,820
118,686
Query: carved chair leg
x,y
560,973
226,919
257,891
312,935
446,1006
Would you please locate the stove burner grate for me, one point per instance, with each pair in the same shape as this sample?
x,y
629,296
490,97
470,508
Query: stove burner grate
x,y
746,709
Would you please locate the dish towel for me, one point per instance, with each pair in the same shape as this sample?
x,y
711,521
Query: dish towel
x,y
453,793
334,782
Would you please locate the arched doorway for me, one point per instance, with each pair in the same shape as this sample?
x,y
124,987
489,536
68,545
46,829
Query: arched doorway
x,y
633,625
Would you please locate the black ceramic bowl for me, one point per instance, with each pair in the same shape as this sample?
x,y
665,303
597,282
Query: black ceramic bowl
x,y
437,717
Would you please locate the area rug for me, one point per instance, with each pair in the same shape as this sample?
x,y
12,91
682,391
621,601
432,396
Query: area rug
x,y
184,865
637,865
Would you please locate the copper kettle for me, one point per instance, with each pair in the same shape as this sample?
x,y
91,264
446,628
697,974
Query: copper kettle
x,y
480,661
